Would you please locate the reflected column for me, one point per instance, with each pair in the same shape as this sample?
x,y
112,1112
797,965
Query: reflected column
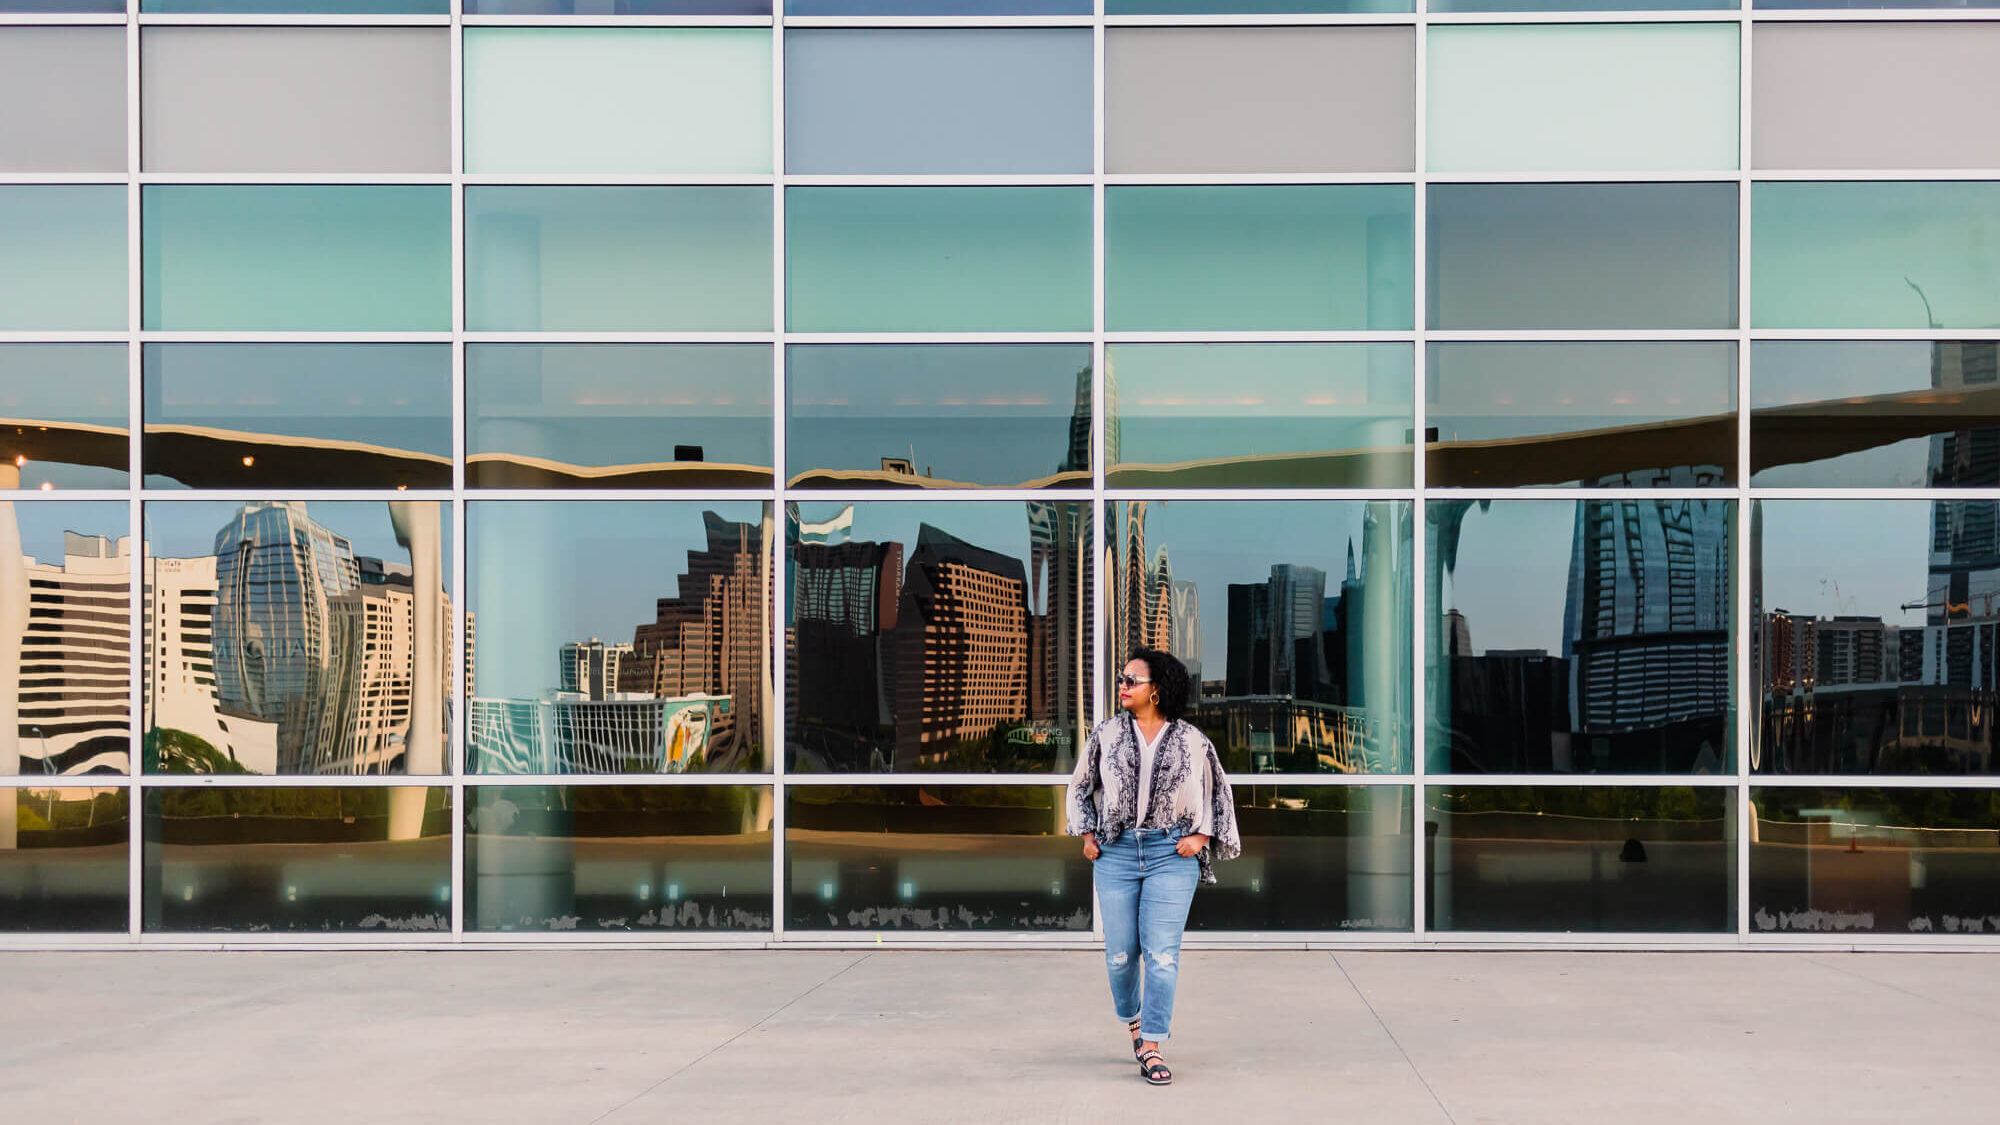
x,y
418,529
13,631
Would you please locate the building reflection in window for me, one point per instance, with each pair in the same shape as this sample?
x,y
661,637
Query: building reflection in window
x,y
945,637
1291,616
1318,858
1587,637
65,638
1875,413
63,416
63,865
619,637
1877,647
1885,861
286,637
1626,859
592,858
921,857
298,415
312,859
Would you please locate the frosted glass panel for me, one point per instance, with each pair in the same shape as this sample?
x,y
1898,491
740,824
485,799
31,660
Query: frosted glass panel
x,y
626,100
62,99
1875,255
62,258
1258,258
986,259
694,259
939,100
297,258
1875,95
1607,98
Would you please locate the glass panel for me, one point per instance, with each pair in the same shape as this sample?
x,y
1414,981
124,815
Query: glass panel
x,y
1875,4
938,259
618,7
681,682
315,860
1885,414
1885,861
1583,5
62,98
63,415
1874,255
298,257
1314,858
1542,98
1918,108
287,637
1582,256
1242,258
925,416
1605,634
1249,7
938,7
1308,674
65,252
938,100
947,857
296,99
1260,99
1259,415
290,7
63,865
1602,415
618,415
298,415
624,858
1878,636
691,259
65,646
633,100
1594,860
117,6
972,656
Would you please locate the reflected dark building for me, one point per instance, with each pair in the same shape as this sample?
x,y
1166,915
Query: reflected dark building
x,y
844,600
709,639
959,647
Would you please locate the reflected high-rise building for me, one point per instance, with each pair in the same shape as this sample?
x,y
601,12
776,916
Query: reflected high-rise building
x,y
1646,616
1184,631
960,646
708,640
1275,633
1142,606
844,600
75,697
590,668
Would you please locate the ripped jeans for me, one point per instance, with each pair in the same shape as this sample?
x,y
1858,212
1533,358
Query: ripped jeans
x,y
1143,891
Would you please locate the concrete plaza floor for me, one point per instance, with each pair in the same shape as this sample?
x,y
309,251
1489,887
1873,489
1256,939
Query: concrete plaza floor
x,y
619,1036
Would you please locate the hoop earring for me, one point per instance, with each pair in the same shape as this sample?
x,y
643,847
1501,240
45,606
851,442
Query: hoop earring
x,y
1156,698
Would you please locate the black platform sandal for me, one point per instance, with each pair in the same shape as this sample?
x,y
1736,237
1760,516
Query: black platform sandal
x,y
1153,1069
1137,1039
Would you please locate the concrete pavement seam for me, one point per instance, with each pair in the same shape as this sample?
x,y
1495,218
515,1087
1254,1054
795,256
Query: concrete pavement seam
x,y
1384,1025
1856,974
768,1017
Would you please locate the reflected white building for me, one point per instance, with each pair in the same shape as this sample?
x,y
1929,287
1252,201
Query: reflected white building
x,y
566,733
75,701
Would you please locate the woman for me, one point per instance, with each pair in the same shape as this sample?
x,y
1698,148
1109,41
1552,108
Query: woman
x,y
1155,812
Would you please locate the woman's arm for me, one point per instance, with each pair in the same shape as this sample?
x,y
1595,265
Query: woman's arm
x,y
1080,807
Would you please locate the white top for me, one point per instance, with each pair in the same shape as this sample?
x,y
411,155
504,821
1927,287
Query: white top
x,y
1146,748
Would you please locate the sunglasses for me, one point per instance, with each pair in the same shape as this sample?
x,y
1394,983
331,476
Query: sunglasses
x,y
1127,679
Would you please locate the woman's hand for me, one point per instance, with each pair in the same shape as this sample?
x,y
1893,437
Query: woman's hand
x,y
1090,849
1190,846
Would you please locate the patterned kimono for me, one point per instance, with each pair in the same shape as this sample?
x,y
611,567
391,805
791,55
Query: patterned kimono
x,y
1189,791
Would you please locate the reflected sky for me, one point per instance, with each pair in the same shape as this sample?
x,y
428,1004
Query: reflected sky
x,y
545,573
1792,372
43,524
1843,557
1479,392
396,396
83,384
979,414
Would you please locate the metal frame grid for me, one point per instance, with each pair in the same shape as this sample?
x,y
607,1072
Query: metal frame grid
x,y
1417,782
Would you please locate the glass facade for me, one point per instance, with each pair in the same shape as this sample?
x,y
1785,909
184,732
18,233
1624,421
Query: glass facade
x,y
686,470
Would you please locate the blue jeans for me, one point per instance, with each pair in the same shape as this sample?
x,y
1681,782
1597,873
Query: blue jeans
x,y
1143,891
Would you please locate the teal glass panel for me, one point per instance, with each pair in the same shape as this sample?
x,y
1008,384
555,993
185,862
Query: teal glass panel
x,y
300,7
1893,254
1584,6
62,258
297,258
938,259
618,858
1259,415
1250,7
1259,258
688,259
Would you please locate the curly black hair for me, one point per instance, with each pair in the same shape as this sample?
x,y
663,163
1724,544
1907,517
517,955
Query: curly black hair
x,y
1170,680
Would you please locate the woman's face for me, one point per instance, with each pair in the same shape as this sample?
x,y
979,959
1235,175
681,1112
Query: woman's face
x,y
1136,697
